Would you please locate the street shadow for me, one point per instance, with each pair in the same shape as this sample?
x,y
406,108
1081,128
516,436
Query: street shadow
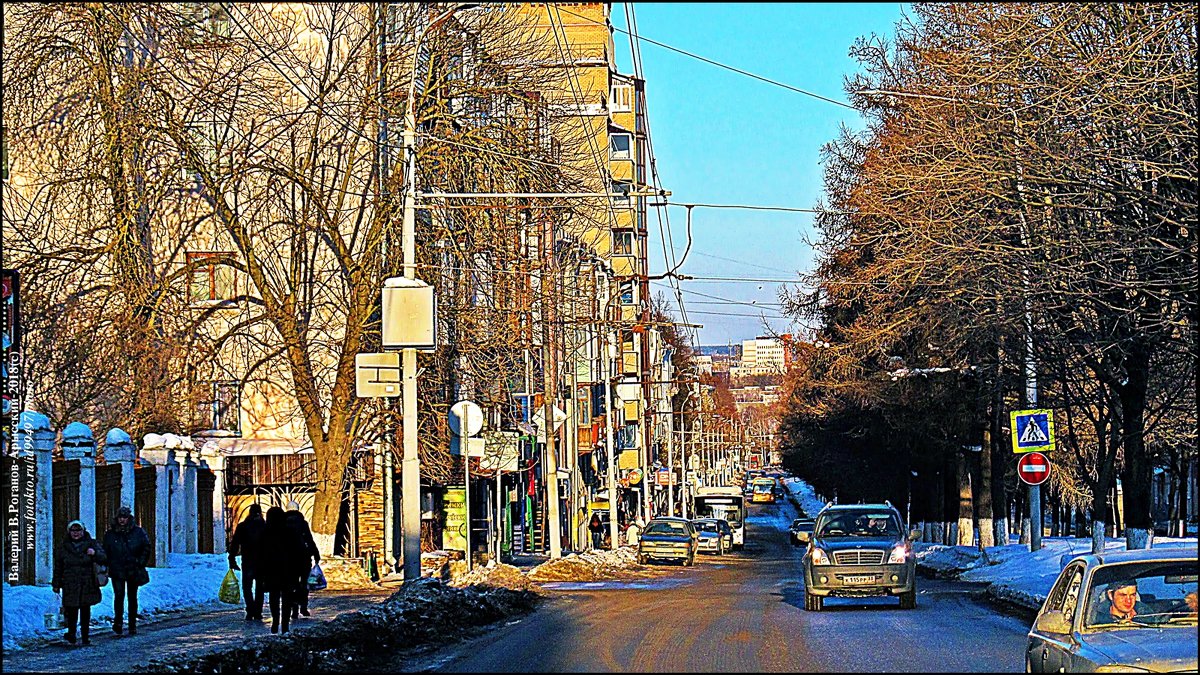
x,y
794,596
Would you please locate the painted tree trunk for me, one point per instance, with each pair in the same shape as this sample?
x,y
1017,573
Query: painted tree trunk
x,y
965,523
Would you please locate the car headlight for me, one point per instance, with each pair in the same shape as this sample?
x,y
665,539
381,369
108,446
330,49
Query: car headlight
x,y
1121,668
899,554
820,557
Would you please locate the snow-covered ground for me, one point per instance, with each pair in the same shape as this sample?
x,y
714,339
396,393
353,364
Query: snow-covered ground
x,y
1012,573
188,580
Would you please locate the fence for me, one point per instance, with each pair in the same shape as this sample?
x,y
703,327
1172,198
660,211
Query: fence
x,y
206,481
66,497
145,494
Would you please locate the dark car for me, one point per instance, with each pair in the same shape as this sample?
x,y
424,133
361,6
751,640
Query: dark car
x,y
668,539
715,535
801,530
1084,627
857,551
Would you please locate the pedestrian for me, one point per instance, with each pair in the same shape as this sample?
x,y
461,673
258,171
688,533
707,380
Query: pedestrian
x,y
311,556
128,548
596,527
246,539
75,577
634,532
279,555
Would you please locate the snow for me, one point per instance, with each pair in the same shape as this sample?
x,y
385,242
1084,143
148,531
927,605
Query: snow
x,y
1012,572
187,581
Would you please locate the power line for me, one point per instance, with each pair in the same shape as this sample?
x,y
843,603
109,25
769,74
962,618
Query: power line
x,y
722,65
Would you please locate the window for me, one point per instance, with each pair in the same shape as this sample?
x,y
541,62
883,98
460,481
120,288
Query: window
x,y
218,407
622,242
620,192
622,98
620,146
209,20
212,278
627,292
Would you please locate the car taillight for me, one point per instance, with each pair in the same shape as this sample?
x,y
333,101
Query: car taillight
x,y
819,557
899,554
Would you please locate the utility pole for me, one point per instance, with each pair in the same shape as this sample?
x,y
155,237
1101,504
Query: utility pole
x,y
610,468
549,385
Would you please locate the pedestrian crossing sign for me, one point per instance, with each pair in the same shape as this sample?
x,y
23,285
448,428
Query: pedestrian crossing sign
x,y
1032,431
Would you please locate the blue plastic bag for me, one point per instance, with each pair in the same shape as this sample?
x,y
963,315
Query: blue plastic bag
x,y
316,578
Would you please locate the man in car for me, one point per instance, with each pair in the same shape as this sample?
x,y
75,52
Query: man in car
x,y
1120,603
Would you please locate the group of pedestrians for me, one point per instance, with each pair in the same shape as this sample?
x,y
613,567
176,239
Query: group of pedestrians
x,y
277,554
126,552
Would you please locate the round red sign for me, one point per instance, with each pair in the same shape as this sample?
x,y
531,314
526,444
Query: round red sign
x,y
1033,468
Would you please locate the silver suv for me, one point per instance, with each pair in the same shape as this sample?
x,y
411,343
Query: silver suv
x,y
859,550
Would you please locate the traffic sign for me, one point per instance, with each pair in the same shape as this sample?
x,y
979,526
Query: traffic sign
x,y
1032,430
1033,468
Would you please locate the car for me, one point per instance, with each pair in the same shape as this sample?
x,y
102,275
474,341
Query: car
x,y
716,535
801,530
860,550
1076,629
668,539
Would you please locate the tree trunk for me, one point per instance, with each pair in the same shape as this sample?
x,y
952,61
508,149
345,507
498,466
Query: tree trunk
x,y
1138,477
962,474
983,495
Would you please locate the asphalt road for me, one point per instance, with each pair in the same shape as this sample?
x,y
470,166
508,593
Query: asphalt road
x,y
742,613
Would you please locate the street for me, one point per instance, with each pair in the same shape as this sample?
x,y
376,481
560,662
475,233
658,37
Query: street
x,y
743,612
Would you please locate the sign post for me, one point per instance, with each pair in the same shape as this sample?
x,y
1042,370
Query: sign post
x,y
1033,432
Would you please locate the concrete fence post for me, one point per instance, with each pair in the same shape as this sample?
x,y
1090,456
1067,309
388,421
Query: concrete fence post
x,y
212,459
191,500
35,435
119,449
78,443
155,451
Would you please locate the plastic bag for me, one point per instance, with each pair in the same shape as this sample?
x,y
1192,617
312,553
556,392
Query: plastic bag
x,y
101,574
316,578
230,593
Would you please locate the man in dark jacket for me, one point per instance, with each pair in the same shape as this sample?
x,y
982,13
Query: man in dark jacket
x,y
128,549
299,526
246,541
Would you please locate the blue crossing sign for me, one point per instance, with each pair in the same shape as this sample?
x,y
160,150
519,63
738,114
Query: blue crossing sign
x,y
1032,430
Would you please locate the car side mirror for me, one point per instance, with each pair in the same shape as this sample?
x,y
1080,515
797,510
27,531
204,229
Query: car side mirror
x,y
1053,621
914,535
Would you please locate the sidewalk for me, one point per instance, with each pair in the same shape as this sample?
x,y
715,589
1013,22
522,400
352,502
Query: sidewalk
x,y
190,632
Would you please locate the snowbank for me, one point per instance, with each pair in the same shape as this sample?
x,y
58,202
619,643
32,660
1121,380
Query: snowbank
x,y
187,581
1012,573
803,494
498,576
589,566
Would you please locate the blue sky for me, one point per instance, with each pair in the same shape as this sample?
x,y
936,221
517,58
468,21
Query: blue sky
x,y
725,138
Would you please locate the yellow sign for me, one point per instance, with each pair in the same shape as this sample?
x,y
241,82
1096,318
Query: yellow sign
x,y
1032,430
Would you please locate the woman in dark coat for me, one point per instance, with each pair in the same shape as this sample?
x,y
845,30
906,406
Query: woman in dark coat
x,y
75,577
280,553
128,550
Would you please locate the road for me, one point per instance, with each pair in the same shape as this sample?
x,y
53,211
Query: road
x,y
741,613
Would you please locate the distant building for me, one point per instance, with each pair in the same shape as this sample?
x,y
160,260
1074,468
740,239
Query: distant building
x,y
763,356
704,364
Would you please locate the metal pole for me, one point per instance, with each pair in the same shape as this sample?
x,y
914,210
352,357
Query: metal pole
x,y
610,469
549,384
463,444
670,460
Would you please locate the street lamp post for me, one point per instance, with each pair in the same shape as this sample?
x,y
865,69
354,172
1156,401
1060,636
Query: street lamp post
x,y
411,464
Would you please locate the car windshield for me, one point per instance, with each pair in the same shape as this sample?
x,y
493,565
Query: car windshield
x,y
677,529
860,524
706,526
1142,594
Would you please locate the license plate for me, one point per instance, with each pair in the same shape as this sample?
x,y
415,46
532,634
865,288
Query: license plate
x,y
863,579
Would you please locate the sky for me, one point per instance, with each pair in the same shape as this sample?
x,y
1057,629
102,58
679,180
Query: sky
x,y
724,138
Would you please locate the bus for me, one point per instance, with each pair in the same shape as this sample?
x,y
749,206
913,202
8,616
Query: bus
x,y
763,490
726,503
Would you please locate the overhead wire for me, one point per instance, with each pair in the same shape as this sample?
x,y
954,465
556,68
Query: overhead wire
x,y
722,65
